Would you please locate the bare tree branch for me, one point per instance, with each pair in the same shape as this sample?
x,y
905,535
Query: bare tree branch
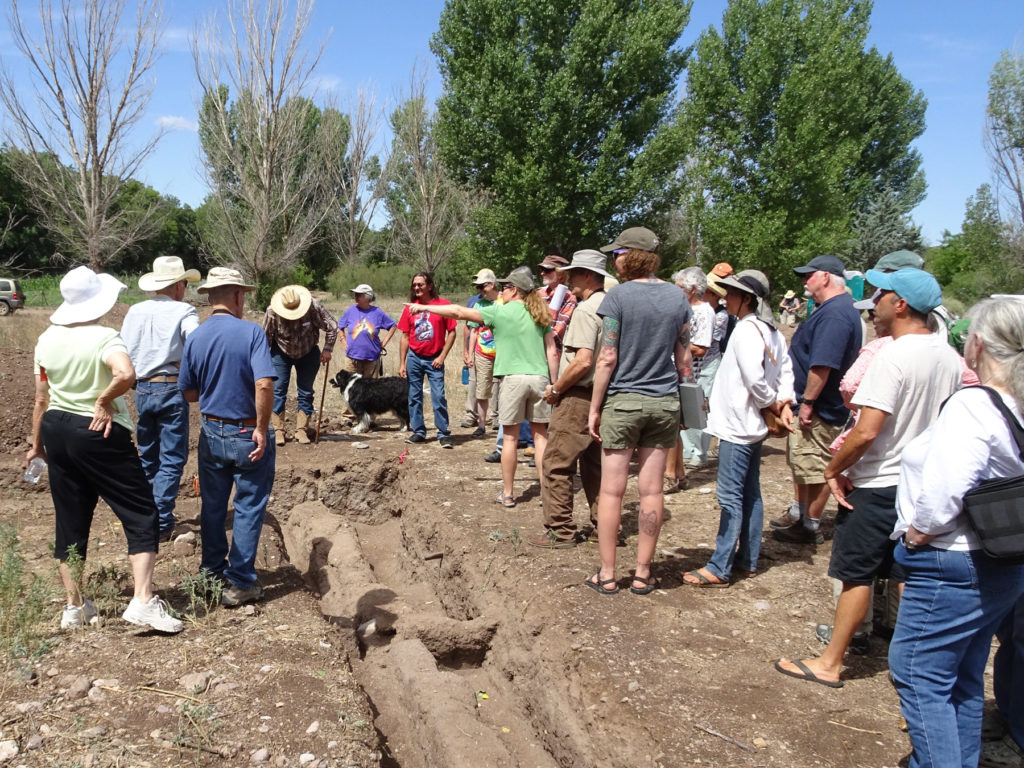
x,y
268,154
91,84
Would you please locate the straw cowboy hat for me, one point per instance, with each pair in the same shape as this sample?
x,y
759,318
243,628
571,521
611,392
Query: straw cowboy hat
x,y
167,270
220,276
291,302
87,296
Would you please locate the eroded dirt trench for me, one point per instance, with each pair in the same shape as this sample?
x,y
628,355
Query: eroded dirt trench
x,y
454,673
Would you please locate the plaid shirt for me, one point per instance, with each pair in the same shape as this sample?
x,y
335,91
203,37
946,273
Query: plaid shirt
x,y
296,337
564,313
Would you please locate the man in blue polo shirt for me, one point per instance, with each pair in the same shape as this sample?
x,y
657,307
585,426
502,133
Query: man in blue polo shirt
x,y
823,347
226,367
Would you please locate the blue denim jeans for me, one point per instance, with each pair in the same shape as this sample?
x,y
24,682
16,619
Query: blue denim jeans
x,y
416,368
224,461
1008,672
525,433
952,604
305,374
696,442
162,435
739,495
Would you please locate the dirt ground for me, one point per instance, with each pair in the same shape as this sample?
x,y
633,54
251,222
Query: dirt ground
x,y
407,623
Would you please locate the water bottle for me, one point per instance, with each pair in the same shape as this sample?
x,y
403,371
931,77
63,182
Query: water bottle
x,y
465,375
35,469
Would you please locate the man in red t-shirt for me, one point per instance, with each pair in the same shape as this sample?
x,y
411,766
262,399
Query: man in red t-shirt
x,y
426,341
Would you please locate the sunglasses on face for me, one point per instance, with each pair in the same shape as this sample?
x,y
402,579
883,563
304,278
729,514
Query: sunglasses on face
x,y
547,269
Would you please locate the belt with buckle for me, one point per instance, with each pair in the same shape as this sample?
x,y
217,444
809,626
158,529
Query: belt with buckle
x,y
236,422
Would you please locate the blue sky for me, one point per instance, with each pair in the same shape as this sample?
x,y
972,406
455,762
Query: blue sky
x,y
944,47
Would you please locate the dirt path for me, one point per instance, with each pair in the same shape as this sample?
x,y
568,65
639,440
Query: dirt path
x,y
408,621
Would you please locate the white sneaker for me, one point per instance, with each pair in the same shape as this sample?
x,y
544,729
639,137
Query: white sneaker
x,y
77,616
152,614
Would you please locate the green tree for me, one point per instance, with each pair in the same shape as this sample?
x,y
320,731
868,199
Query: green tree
x,y
801,126
882,227
557,110
428,208
1004,134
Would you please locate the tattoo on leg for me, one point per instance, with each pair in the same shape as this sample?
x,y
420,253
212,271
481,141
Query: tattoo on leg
x,y
647,521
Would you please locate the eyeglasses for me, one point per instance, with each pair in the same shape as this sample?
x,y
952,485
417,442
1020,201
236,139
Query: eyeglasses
x,y
547,269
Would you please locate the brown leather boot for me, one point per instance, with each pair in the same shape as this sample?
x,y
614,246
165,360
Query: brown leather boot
x,y
278,424
301,423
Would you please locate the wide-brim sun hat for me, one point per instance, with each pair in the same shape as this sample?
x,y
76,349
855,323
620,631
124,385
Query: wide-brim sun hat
x,y
87,296
713,285
167,270
291,302
363,288
218,277
521,278
756,284
588,259
790,295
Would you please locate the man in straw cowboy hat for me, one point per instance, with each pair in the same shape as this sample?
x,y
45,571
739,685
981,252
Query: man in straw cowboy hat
x,y
293,323
154,332
226,368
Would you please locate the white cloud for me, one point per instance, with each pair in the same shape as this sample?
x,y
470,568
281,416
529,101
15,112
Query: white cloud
x,y
177,123
321,83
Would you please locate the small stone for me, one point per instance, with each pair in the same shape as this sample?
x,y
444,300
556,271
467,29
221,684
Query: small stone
x,y
264,728
29,706
8,750
282,628
306,758
266,668
762,605
360,445
45,730
367,629
96,695
93,733
79,688
225,687
106,683
760,743
163,709
261,755
188,537
313,727
196,682
332,744
184,548
34,742
52,672
282,761
249,610
633,686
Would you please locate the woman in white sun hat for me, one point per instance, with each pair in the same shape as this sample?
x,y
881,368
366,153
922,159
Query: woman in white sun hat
x,y
82,428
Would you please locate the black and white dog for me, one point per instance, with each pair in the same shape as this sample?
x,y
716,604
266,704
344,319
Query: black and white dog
x,y
367,398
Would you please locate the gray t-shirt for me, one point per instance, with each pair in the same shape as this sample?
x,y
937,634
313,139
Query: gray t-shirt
x,y
651,316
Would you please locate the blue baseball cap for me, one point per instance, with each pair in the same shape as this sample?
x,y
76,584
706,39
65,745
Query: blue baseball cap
x,y
915,286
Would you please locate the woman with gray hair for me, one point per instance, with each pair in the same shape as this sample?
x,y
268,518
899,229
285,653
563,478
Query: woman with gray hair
x,y
706,357
956,595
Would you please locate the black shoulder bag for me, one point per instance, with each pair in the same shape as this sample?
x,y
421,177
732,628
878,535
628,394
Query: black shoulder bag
x,y
995,508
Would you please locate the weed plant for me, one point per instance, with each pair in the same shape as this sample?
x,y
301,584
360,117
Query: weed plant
x,y
24,604
202,590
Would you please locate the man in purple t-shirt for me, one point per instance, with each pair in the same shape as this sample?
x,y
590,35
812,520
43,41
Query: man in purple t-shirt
x,y
362,324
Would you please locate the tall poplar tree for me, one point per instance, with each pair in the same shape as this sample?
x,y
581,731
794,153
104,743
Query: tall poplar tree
x,y
556,110
802,125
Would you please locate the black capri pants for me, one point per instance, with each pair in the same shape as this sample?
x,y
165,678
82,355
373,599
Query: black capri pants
x,y
84,466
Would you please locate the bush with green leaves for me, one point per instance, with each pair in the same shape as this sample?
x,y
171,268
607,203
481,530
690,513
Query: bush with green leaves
x,y
24,602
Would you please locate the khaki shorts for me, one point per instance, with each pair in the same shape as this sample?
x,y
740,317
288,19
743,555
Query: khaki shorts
x,y
365,368
522,400
484,368
807,451
630,420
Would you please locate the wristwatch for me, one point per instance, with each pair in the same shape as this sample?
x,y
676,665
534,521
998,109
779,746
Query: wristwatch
x,y
555,392
808,402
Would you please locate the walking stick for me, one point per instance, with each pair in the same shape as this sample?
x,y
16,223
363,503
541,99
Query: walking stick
x,y
323,395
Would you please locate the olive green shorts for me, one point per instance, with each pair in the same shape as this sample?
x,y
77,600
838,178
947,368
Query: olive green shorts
x,y
807,451
630,420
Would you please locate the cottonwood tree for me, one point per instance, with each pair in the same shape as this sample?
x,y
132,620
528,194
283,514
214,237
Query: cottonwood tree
x,y
362,182
1004,130
802,124
88,83
428,207
556,109
273,159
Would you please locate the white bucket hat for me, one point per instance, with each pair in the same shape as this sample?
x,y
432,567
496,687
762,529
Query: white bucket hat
x,y
291,302
219,276
167,270
87,296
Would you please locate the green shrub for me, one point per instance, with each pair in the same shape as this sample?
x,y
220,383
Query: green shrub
x,y
24,602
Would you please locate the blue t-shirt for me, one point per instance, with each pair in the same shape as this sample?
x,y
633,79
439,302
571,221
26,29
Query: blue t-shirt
x,y
651,316
223,358
830,337
361,327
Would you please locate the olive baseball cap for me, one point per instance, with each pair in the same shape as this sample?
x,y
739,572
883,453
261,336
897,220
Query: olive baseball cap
x,y
639,238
